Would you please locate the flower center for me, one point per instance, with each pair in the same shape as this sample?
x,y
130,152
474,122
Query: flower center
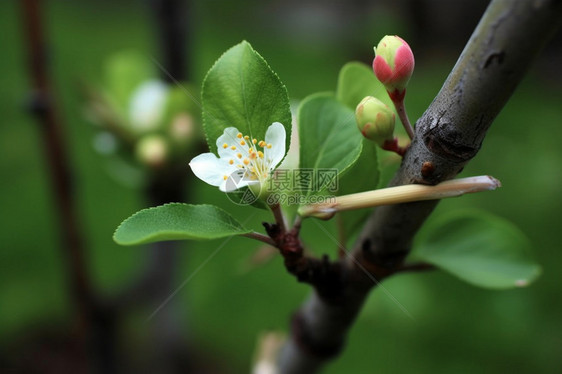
x,y
250,156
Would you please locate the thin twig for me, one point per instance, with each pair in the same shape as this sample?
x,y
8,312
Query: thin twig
x,y
401,109
260,237
297,224
415,267
279,217
342,237
43,106
398,195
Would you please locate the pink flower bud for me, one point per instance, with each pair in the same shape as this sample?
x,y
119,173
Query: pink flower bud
x,y
393,65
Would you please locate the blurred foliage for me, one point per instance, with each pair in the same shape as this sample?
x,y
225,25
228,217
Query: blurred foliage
x,y
144,124
455,327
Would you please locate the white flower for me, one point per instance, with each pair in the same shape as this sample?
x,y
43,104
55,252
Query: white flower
x,y
242,160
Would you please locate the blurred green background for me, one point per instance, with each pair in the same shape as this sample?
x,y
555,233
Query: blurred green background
x,y
224,307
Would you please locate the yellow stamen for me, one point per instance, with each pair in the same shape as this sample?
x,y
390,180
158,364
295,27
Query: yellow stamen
x,y
246,161
252,156
231,162
269,146
239,135
233,148
254,140
242,143
260,153
246,137
262,143
239,155
225,177
225,145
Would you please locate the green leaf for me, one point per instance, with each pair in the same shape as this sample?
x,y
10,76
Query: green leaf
x,y
357,80
389,162
479,248
242,91
176,222
328,135
364,175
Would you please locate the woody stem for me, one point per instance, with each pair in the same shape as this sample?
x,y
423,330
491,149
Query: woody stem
x,y
279,217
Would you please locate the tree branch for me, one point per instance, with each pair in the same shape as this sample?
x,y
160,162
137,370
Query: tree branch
x,y
449,134
44,107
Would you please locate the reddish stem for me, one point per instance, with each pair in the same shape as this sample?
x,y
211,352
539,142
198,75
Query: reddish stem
x,y
398,100
279,217
392,145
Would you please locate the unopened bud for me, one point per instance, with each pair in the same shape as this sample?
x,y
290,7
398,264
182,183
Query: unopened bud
x,y
393,65
375,120
182,127
152,150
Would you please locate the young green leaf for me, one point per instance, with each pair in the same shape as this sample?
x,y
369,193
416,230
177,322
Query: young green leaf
x,y
242,91
328,136
176,222
479,248
357,80
364,175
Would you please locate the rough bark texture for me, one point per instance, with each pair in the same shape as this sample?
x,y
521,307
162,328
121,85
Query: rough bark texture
x,y
449,134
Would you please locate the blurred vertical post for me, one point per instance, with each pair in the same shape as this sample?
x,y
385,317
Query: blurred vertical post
x,y
44,107
172,25
169,185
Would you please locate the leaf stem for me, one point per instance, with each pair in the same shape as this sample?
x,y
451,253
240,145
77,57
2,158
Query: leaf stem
x,y
260,237
421,266
392,146
400,194
297,225
279,217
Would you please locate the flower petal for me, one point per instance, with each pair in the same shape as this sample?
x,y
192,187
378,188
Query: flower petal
x,y
229,138
275,135
210,169
236,181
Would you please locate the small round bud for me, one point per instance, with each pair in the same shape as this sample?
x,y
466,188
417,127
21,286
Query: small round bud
x,y
152,150
182,127
393,65
375,120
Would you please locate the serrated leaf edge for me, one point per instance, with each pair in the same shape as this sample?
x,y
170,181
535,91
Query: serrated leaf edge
x,y
245,230
211,144
327,94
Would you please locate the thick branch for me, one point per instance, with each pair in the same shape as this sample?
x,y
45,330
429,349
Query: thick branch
x,y
449,134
